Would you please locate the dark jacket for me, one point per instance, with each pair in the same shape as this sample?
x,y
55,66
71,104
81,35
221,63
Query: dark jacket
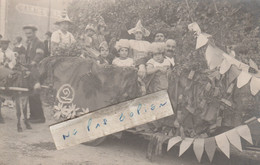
x,y
32,46
31,55
47,46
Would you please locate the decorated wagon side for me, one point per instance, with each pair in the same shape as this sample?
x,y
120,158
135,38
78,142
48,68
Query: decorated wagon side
x,y
215,94
214,105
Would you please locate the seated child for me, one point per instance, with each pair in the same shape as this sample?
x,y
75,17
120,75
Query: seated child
x,y
158,66
103,58
123,60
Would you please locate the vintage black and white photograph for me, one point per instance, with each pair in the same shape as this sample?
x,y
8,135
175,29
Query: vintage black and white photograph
x,y
123,82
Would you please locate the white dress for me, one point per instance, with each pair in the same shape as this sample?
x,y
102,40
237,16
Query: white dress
x,y
128,62
140,49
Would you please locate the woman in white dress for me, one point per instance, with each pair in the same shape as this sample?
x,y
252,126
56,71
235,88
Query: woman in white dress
x,y
139,48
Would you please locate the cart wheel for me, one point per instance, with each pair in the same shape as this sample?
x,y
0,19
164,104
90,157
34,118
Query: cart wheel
x,y
95,142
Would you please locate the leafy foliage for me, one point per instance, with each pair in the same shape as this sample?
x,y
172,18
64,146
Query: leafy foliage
x,y
232,24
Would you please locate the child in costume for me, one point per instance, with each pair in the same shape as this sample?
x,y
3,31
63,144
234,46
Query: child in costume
x,y
157,68
139,48
123,60
103,58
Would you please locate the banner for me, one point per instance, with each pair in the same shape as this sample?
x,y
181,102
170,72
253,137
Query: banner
x,y
112,119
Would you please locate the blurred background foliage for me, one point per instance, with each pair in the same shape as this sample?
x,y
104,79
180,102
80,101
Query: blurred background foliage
x,y
232,23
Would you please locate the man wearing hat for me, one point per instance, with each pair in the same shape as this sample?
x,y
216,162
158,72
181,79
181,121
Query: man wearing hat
x,y
62,38
34,53
159,36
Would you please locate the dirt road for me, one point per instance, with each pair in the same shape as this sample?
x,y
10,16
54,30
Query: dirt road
x,y
36,147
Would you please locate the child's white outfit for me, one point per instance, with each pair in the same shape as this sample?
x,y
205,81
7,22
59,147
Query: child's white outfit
x,y
128,62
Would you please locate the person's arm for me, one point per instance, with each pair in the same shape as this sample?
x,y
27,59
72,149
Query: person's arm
x,y
12,63
151,69
40,54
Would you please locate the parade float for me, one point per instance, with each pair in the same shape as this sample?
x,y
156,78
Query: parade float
x,y
214,90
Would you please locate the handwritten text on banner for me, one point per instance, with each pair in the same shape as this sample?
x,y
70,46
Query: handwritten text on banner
x,y
112,119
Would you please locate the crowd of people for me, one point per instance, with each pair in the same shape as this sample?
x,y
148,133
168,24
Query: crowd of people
x,y
154,59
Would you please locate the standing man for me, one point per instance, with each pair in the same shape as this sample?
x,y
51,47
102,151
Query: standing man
x,y
47,43
35,53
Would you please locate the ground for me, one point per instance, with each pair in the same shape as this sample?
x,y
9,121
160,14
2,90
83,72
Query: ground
x,y
36,147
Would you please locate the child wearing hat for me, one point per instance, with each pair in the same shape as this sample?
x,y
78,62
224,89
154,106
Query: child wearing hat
x,y
103,58
139,47
62,38
158,66
122,46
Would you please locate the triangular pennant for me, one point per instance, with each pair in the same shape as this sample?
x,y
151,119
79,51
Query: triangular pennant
x,y
245,133
255,85
202,40
243,79
194,27
213,56
233,73
234,139
224,67
173,141
198,148
223,144
253,64
210,147
185,144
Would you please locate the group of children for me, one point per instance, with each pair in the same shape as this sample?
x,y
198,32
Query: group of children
x,y
149,58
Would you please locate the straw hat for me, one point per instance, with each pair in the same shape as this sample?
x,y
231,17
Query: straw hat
x,y
139,27
103,45
34,28
122,43
64,18
4,41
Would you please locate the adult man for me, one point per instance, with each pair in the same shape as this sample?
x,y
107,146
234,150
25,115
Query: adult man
x,y
169,50
7,59
62,38
47,43
159,36
35,53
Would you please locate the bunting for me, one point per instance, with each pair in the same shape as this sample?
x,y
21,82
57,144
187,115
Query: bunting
x,y
216,58
222,141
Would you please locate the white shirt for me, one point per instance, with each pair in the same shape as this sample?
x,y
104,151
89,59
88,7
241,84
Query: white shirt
x,y
171,60
9,60
165,63
129,62
61,38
